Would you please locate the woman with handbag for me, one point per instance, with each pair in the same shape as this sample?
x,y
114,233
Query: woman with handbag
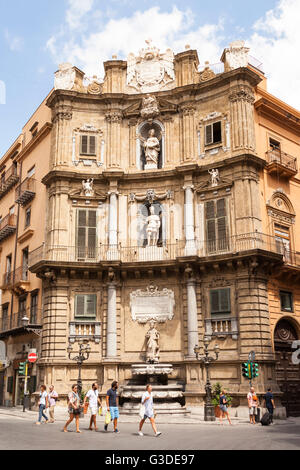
x,y
74,408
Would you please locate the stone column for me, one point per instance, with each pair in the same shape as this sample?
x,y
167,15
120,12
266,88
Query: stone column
x,y
189,223
188,132
114,120
62,136
242,117
132,144
111,332
192,323
113,219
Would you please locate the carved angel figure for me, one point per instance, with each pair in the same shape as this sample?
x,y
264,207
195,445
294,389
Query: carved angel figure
x,y
88,187
214,177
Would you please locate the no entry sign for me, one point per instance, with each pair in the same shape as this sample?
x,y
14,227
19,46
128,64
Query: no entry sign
x,y
32,357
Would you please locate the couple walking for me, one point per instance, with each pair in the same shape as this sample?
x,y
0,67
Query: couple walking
x,y
47,401
75,406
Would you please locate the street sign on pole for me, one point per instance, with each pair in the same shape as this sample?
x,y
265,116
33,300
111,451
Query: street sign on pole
x,y
32,357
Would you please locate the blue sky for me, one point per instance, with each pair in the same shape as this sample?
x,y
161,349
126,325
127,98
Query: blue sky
x,y
37,35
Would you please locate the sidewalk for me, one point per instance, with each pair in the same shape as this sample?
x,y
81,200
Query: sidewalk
x,y
61,415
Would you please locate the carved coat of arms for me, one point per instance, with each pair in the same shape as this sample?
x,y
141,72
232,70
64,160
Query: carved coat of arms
x,y
65,77
151,70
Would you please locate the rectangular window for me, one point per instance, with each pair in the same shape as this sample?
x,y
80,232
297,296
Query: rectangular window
x,y
274,145
25,264
86,306
33,308
22,310
88,145
220,302
283,243
27,217
213,133
31,172
86,234
216,226
5,317
286,301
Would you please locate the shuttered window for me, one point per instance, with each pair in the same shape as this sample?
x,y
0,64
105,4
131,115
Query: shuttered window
x,y
220,301
213,133
85,306
86,234
88,145
216,226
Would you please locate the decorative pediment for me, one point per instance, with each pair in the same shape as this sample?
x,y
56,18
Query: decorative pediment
x,y
223,183
281,208
80,196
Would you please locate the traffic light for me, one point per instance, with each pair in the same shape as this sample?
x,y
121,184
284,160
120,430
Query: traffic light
x,y
255,369
246,369
22,368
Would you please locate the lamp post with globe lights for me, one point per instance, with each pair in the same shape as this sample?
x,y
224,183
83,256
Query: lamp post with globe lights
x,y
206,359
83,355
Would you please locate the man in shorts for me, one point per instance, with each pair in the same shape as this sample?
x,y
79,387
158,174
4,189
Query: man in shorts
x,y
252,404
112,407
147,401
94,402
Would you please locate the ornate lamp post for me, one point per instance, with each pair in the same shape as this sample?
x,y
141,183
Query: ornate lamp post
x,y
84,354
209,412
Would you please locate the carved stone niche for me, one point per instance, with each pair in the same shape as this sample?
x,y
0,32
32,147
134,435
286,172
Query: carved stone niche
x,y
152,304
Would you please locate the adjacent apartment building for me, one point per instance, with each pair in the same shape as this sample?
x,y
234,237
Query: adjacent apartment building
x,y
167,193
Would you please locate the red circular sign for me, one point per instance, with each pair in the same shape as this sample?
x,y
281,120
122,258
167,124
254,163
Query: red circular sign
x,y
32,357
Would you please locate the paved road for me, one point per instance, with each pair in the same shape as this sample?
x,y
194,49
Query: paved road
x,y
22,434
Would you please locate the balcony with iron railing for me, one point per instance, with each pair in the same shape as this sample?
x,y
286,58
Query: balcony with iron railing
x,y
168,252
14,322
26,191
17,280
8,226
9,179
281,163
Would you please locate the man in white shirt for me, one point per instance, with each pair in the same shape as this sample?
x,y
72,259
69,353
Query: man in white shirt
x,y
94,402
147,402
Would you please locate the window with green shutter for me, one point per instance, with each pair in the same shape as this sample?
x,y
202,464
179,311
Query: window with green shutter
x,y
220,303
85,306
88,145
86,234
216,226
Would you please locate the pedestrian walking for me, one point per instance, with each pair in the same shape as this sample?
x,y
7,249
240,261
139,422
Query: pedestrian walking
x,y
112,407
43,404
74,408
224,407
52,397
253,404
270,404
95,402
147,402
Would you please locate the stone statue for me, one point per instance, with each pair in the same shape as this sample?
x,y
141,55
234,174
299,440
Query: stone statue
x,y
153,350
152,149
88,187
215,178
150,107
153,227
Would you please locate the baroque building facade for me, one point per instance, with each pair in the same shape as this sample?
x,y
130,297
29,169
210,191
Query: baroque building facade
x,y
168,194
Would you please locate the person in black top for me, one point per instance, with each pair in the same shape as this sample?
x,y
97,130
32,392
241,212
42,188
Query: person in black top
x,y
112,407
270,405
224,408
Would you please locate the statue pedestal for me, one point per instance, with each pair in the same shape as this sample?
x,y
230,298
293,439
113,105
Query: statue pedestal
x,y
151,253
151,166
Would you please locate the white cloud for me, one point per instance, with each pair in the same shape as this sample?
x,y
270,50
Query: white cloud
x,y
276,42
15,43
120,36
76,12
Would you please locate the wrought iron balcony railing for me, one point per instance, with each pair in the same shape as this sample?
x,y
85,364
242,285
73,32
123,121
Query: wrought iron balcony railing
x,y
236,244
8,226
25,192
12,322
12,278
10,178
281,163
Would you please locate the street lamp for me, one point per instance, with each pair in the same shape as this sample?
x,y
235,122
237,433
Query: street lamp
x,y
84,354
209,412
25,323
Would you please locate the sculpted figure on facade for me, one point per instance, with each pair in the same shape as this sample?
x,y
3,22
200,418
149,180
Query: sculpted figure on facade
x,y
153,351
152,149
215,177
65,77
88,187
153,227
149,107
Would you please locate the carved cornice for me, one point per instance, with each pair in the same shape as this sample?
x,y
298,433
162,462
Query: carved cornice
x,y
114,116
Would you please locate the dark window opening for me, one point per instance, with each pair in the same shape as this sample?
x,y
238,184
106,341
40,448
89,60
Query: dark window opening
x,y
213,133
286,301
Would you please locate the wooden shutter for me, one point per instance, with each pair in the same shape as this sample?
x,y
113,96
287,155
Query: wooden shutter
x,y
91,234
79,306
83,144
86,234
214,301
222,225
91,305
81,234
92,145
210,226
208,134
217,132
220,301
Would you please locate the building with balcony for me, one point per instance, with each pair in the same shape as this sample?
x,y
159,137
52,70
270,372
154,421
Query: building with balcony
x,y
162,204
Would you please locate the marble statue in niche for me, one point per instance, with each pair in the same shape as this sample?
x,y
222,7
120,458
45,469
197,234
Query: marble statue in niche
x,y
151,148
153,351
153,226
215,177
88,187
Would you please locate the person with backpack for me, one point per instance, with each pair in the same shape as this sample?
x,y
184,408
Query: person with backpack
x,y
270,405
224,408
